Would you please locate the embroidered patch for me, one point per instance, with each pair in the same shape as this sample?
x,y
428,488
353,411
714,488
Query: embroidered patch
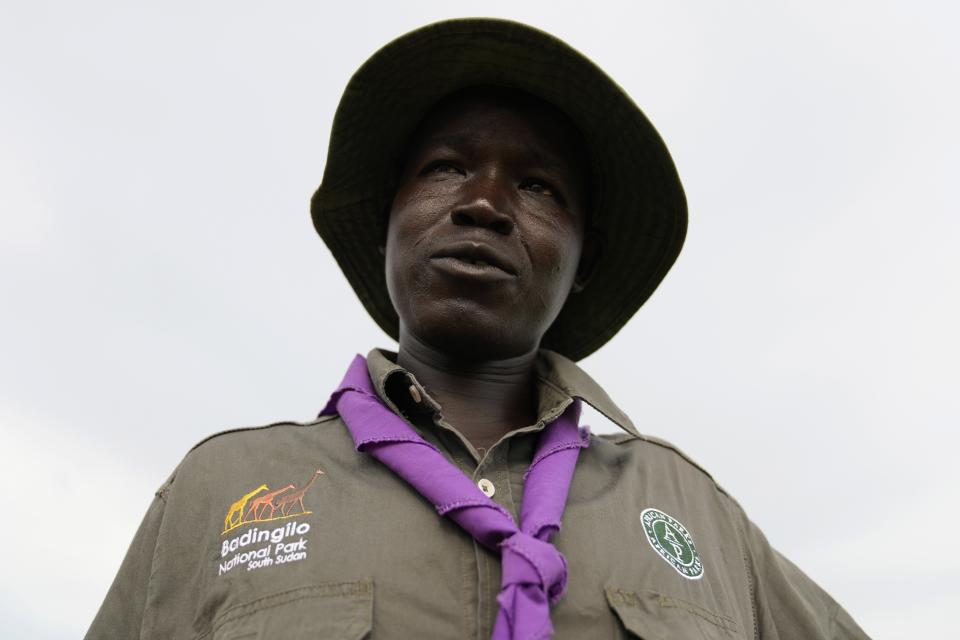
x,y
263,505
671,540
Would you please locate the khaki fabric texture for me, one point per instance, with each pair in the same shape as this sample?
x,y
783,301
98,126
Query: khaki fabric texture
x,y
353,552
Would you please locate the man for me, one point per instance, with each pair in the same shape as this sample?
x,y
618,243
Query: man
x,y
502,209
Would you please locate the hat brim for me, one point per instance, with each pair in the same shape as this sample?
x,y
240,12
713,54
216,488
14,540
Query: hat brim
x,y
638,204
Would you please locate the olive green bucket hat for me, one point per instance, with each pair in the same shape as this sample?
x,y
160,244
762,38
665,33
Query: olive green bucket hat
x,y
638,206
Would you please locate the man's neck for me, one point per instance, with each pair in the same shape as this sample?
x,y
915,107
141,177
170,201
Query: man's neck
x,y
483,400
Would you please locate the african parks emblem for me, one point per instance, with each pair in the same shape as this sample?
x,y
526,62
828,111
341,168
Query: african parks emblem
x,y
672,541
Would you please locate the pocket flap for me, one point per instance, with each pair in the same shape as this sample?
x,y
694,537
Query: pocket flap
x,y
650,615
324,610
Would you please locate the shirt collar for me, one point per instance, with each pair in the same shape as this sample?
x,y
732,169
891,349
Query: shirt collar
x,y
559,380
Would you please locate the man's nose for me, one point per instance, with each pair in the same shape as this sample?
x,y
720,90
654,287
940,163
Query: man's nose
x,y
480,208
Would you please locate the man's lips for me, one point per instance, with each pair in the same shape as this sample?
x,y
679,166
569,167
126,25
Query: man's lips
x,y
477,254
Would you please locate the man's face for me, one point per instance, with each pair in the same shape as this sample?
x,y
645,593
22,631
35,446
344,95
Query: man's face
x,y
487,225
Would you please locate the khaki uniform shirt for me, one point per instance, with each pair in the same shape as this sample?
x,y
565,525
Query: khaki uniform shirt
x,y
287,532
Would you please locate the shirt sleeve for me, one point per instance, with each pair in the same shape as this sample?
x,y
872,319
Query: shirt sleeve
x,y
788,604
121,614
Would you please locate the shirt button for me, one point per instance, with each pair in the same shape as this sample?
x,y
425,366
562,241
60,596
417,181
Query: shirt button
x,y
487,487
415,394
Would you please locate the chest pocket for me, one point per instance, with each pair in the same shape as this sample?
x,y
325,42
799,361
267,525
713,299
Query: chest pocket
x,y
649,615
327,610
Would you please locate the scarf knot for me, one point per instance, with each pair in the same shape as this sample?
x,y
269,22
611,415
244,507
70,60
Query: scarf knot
x,y
533,577
529,563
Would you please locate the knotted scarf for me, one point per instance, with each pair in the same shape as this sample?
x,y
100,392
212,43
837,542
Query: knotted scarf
x,y
533,572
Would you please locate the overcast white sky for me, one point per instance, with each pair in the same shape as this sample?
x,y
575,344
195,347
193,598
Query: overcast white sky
x,y
160,278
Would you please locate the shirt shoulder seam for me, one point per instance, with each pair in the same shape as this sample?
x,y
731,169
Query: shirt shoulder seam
x,y
282,423
161,495
663,444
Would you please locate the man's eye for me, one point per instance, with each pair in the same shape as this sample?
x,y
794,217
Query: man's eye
x,y
539,187
441,166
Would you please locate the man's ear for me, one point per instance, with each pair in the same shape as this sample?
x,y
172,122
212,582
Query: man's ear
x,y
593,247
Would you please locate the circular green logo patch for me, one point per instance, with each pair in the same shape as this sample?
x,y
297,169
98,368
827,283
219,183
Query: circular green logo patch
x,y
672,541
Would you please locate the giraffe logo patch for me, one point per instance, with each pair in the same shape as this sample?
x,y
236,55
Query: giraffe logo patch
x,y
265,546
671,540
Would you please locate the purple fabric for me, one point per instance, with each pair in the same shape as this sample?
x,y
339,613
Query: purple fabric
x,y
534,573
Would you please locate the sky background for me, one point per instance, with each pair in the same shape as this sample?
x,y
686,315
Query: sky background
x,y
160,278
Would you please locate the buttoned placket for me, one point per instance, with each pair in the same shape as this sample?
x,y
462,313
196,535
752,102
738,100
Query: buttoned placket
x,y
491,465
503,465
493,468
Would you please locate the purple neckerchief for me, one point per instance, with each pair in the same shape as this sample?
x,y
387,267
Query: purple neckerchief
x,y
534,573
